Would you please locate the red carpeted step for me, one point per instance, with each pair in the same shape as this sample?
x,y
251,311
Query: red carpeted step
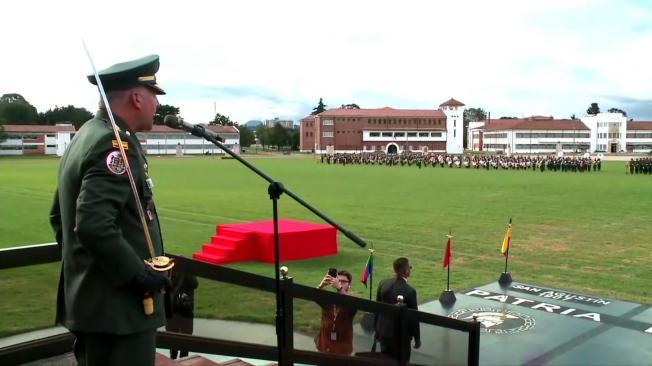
x,y
232,232
196,360
230,254
235,362
161,360
209,258
228,241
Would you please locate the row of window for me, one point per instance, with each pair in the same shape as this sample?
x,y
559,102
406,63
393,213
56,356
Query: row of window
x,y
609,124
19,147
551,146
533,135
384,121
639,135
374,121
402,134
640,146
496,135
155,147
610,135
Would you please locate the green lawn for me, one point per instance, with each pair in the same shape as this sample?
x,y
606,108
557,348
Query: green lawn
x,y
586,233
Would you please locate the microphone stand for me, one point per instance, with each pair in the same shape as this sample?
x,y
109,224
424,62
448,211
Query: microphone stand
x,y
275,190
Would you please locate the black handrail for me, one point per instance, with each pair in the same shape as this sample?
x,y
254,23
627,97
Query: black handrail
x,y
48,253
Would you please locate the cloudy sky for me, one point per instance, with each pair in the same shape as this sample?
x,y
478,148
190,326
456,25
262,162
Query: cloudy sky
x,y
264,59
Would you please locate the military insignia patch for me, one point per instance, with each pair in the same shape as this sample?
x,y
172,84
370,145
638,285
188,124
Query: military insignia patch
x,y
125,144
114,163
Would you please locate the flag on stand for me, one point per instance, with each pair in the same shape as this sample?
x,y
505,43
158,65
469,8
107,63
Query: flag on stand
x,y
447,254
368,270
508,235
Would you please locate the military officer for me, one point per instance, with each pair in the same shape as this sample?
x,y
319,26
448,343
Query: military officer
x,y
104,278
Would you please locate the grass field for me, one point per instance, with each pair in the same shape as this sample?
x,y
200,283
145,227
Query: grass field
x,y
586,233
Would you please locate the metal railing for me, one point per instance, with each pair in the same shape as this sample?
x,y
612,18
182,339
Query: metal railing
x,y
60,344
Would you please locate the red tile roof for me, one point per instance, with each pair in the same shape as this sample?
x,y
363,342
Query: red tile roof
x,y
534,123
383,112
308,118
639,125
39,128
452,103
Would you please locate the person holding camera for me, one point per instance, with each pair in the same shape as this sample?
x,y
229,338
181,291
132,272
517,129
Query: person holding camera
x,y
181,310
336,330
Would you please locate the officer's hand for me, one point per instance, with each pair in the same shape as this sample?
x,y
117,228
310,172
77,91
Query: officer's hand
x,y
417,343
149,280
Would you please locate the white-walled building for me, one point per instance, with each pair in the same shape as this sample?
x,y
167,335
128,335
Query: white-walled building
x,y
287,123
454,111
36,139
163,140
600,133
533,135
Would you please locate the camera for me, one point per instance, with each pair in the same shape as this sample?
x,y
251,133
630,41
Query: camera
x,y
332,272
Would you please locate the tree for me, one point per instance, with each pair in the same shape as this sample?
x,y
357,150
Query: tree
x,y
474,114
14,109
616,110
69,114
163,110
223,120
262,134
295,138
319,108
350,106
508,117
471,115
279,136
593,109
3,135
246,136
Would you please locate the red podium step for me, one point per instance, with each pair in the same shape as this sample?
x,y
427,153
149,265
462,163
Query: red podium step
x,y
255,241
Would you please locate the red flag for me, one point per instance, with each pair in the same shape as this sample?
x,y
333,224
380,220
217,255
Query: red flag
x,y
447,254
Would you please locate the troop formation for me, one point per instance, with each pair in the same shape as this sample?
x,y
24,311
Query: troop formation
x,y
639,166
487,162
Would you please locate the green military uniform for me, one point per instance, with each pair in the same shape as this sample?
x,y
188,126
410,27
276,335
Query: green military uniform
x,y
97,225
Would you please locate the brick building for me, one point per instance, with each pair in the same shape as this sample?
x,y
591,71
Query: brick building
x,y
384,129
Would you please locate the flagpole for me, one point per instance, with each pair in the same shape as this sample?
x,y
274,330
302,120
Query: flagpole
x,y
448,279
447,297
505,277
509,245
371,273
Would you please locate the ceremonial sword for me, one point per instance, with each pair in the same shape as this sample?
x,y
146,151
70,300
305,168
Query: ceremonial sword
x,y
157,263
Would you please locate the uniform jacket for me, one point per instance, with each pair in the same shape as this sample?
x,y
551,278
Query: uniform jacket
x,y
387,292
98,229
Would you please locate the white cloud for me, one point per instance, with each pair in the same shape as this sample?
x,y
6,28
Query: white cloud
x,y
278,58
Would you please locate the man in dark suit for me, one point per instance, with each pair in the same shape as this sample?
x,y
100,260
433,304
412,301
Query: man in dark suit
x,y
385,325
108,297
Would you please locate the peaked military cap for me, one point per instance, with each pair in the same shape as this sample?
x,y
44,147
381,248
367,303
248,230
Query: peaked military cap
x,y
129,74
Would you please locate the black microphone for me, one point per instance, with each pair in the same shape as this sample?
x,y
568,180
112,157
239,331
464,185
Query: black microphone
x,y
198,130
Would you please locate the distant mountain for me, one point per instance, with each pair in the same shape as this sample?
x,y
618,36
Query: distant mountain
x,y
253,123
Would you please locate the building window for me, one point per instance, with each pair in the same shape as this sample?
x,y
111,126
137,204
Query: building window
x,y
399,134
435,134
327,122
412,134
327,134
423,134
387,134
374,134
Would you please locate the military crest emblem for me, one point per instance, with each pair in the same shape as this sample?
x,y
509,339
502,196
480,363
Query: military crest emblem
x,y
496,321
114,163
